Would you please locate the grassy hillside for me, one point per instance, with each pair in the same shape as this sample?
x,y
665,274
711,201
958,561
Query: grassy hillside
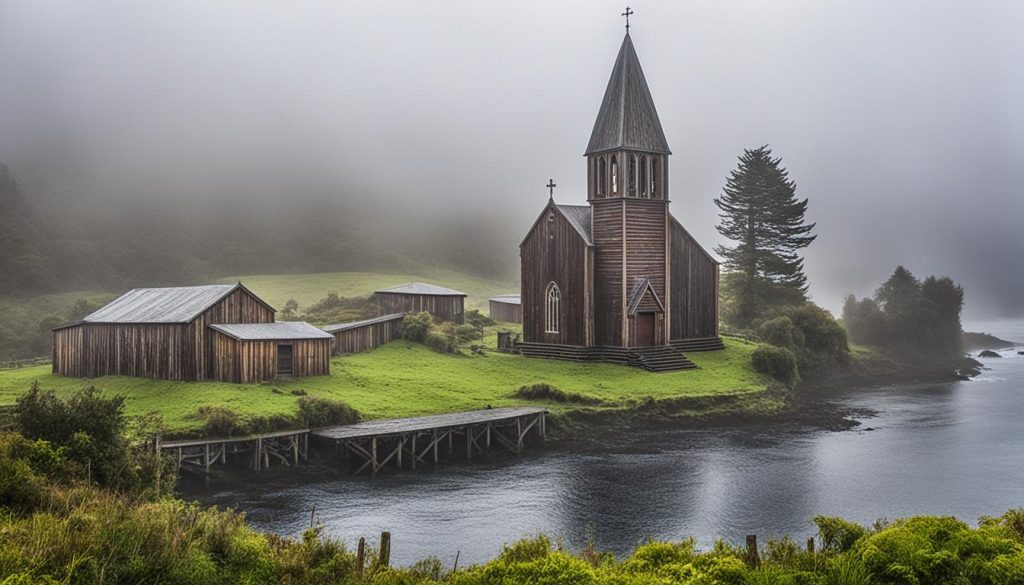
x,y
406,379
307,289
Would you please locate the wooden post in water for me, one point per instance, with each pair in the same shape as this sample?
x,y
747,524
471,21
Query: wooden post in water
x,y
436,441
469,442
361,554
384,555
753,559
206,457
373,453
415,453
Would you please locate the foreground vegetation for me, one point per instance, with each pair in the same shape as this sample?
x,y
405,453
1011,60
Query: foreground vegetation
x,y
82,502
405,378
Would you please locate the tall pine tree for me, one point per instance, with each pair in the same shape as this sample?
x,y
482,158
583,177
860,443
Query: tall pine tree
x,y
761,214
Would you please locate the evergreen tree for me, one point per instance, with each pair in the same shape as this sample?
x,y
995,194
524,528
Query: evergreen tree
x,y
760,212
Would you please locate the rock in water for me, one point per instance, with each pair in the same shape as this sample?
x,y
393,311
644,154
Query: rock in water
x,y
988,353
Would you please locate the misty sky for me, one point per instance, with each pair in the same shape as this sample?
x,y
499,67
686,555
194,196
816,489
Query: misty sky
x,y
903,122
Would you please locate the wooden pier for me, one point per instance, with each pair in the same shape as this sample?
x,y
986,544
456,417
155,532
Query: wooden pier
x,y
285,447
408,441
401,442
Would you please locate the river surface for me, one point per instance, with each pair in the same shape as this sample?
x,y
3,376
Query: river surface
x,y
952,448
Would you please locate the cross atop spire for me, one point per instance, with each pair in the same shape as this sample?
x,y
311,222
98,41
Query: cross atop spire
x,y
551,188
627,14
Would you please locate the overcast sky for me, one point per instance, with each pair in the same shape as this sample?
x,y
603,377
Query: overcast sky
x,y
903,122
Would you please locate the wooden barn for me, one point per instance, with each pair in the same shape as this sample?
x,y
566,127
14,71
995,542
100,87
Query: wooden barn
x,y
443,303
258,352
365,335
619,279
506,308
162,333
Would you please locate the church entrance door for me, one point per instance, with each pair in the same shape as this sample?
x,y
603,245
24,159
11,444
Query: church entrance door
x,y
645,329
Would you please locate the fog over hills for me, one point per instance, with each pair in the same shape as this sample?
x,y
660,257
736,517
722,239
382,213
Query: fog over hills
x,y
337,135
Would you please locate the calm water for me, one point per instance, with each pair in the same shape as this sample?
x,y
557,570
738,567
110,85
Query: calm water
x,y
954,448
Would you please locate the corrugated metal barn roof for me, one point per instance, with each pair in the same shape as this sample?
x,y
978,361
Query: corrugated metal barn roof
x,y
627,118
420,288
508,299
281,331
356,324
579,217
161,305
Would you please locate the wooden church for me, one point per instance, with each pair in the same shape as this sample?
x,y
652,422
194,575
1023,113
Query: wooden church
x,y
619,279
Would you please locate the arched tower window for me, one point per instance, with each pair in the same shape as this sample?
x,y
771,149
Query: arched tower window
x,y
644,191
602,176
615,176
655,179
631,177
551,308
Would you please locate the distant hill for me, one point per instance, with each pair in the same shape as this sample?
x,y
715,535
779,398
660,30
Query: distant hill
x,y
978,341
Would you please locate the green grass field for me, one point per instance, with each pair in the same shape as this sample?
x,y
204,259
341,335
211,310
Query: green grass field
x,y
307,289
406,379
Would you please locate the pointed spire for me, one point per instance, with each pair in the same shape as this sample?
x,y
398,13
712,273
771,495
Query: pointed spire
x,y
627,118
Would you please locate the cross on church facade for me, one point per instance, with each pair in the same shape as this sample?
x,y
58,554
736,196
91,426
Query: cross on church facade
x,y
627,14
551,188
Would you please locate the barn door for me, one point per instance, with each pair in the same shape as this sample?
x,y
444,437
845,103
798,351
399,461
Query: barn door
x,y
645,329
284,360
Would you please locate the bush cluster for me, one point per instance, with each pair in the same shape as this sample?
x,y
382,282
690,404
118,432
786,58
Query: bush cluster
x,y
777,362
544,391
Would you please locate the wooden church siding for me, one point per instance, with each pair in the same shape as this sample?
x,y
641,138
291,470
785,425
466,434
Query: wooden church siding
x,y
240,306
609,286
444,307
694,288
367,337
256,361
645,256
554,252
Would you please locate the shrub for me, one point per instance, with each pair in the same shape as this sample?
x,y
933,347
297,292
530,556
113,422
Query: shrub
x,y
837,534
543,391
781,332
777,362
322,412
439,343
825,341
220,421
416,326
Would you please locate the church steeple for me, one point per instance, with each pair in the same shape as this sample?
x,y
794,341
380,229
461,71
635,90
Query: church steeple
x,y
627,153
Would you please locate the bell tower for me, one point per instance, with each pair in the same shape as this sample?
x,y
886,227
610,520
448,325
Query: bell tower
x,y
627,187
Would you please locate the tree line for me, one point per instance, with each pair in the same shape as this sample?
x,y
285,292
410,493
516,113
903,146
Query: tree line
x,y
764,285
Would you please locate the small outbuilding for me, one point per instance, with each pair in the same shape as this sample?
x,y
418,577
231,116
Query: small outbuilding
x,y
258,352
443,303
507,308
365,335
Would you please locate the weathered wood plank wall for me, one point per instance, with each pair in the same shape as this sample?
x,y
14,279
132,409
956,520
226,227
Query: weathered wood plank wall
x,y
506,312
256,361
367,337
445,308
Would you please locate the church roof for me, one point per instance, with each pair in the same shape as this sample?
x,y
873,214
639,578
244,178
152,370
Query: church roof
x,y
579,217
627,118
